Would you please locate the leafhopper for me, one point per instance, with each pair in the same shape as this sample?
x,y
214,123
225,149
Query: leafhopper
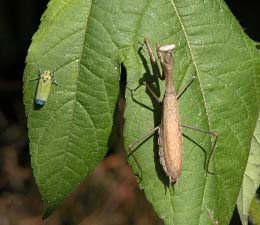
x,y
46,79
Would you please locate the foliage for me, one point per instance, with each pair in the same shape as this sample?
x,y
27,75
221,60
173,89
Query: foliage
x,y
86,41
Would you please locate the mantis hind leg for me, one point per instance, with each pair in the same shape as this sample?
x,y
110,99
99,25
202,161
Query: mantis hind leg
x,y
131,148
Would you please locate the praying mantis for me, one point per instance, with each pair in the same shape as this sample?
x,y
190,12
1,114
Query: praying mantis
x,y
170,129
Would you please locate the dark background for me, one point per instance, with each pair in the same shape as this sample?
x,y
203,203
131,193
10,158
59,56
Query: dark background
x,y
18,193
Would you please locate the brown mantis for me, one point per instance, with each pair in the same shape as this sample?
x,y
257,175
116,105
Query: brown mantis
x,y
169,131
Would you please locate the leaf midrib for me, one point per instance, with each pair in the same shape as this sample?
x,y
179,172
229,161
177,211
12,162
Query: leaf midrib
x,y
76,89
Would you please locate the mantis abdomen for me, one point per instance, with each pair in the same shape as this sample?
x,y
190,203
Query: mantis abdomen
x,y
170,138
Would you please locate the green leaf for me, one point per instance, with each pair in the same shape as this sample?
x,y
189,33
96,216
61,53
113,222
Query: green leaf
x,y
255,211
69,135
85,41
213,47
251,178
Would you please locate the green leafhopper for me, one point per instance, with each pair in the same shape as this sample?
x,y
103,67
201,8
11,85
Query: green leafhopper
x,y
46,78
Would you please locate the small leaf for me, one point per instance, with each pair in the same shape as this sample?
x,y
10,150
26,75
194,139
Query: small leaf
x,y
255,211
251,180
